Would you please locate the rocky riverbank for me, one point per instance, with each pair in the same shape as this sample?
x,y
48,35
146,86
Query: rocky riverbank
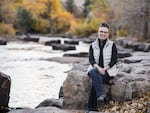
x,y
129,94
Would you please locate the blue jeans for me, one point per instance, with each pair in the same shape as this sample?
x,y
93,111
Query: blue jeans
x,y
97,88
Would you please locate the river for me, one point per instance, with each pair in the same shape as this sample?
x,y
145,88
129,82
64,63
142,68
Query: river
x,y
33,77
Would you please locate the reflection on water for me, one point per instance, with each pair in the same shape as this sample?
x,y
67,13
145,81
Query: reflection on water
x,y
34,79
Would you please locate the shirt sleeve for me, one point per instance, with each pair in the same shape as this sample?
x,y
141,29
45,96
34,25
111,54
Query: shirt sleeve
x,y
91,57
114,56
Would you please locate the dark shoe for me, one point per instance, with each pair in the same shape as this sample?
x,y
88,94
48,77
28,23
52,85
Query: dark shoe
x,y
101,100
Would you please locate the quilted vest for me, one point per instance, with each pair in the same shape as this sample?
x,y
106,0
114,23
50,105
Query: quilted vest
x,y
107,52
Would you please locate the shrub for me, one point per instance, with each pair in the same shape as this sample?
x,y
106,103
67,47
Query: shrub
x,y
41,25
83,28
6,29
122,32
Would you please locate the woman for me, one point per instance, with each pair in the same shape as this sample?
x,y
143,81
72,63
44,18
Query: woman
x,y
102,57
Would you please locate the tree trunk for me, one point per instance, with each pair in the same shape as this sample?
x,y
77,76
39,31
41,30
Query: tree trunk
x,y
52,31
146,22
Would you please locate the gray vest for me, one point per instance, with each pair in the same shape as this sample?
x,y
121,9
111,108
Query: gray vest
x,y
107,51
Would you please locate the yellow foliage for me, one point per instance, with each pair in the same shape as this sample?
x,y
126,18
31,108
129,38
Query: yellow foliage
x,y
101,9
51,10
83,28
7,11
41,25
6,29
122,32
64,21
18,3
38,7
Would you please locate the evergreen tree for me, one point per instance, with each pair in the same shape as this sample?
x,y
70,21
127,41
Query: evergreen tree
x,y
23,20
87,8
70,5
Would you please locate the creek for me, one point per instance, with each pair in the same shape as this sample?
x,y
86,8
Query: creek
x,y
33,77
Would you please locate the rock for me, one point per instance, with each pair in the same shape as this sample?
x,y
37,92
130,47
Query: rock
x,y
126,43
138,47
147,47
88,40
115,108
81,54
131,44
76,89
74,42
3,41
24,110
128,61
132,111
5,83
45,110
31,39
122,54
61,94
52,102
63,47
50,42
128,87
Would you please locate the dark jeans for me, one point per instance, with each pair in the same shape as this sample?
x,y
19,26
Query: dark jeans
x,y
97,88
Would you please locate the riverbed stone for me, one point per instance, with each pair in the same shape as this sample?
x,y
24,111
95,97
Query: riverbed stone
x,y
5,82
81,54
74,42
50,42
52,102
64,47
3,41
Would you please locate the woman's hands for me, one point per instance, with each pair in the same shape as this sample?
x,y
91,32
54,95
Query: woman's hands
x,y
100,69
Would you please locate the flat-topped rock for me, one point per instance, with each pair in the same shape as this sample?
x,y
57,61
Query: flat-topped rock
x,y
63,47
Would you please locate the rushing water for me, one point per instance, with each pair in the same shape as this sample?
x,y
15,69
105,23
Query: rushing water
x,y
34,78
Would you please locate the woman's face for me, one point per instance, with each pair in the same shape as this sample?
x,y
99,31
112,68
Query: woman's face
x,y
103,33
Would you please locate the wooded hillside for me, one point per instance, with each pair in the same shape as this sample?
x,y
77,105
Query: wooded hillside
x,y
126,18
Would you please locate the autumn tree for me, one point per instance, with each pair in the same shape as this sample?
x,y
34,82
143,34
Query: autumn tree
x,y
7,11
132,16
101,9
47,9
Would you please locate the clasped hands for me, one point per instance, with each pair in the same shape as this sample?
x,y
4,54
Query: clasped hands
x,y
100,69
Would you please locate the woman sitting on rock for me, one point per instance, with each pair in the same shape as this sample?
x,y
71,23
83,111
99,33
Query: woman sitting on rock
x,y
102,57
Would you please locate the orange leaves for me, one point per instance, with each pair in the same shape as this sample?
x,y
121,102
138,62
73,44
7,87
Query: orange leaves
x,y
101,9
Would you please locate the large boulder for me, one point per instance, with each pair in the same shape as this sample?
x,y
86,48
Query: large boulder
x,y
3,41
5,83
76,89
129,86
